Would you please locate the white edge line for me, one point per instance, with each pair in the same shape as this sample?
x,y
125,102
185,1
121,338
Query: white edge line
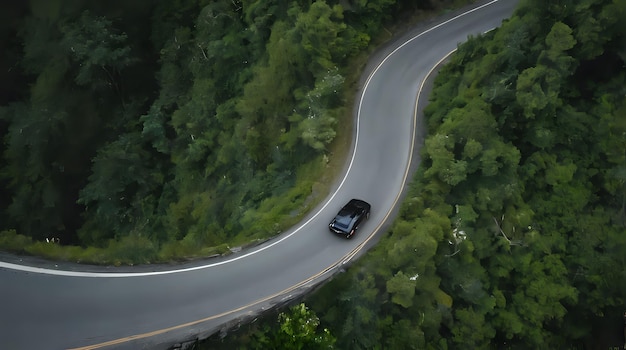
x,y
66,273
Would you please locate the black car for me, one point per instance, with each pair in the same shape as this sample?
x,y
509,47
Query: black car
x,y
350,217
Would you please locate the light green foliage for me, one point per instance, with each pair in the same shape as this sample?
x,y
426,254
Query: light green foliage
x,y
472,149
319,30
530,93
448,169
298,329
512,231
558,174
509,235
13,242
264,114
402,289
295,328
185,122
411,254
535,227
522,177
471,329
558,41
538,87
318,127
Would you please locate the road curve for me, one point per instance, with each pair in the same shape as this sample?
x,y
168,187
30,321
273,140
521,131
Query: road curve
x,y
70,309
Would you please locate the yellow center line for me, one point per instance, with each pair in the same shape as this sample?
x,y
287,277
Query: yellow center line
x,y
343,260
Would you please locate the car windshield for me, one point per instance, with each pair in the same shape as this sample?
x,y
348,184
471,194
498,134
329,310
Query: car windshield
x,y
345,216
343,222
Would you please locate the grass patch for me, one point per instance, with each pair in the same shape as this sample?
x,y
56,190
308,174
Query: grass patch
x,y
314,181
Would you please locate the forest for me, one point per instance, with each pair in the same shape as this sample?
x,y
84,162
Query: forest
x,y
142,131
141,143
513,235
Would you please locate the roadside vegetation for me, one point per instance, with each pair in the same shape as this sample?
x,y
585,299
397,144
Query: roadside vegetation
x,y
137,132
213,125
513,233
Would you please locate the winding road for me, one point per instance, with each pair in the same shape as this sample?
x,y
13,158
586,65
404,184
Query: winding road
x,y
49,307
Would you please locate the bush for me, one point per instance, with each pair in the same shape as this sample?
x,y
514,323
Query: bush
x,y
133,249
13,242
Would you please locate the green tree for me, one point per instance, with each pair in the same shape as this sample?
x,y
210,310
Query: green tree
x,y
520,185
99,51
119,195
298,328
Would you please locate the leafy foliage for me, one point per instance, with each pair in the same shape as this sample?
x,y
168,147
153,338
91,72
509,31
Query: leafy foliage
x,y
516,214
136,143
296,328
179,126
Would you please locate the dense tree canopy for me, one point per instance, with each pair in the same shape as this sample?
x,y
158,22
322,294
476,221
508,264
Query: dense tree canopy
x,y
159,139
173,122
513,234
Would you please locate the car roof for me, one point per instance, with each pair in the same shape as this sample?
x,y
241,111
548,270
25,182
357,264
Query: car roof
x,y
358,203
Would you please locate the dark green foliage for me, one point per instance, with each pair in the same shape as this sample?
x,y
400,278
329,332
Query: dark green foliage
x,y
98,52
181,122
513,234
169,139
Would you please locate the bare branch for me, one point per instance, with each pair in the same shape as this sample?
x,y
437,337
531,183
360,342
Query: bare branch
x,y
514,242
453,254
203,53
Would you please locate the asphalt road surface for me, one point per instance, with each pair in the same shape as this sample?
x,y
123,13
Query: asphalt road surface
x,y
65,307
